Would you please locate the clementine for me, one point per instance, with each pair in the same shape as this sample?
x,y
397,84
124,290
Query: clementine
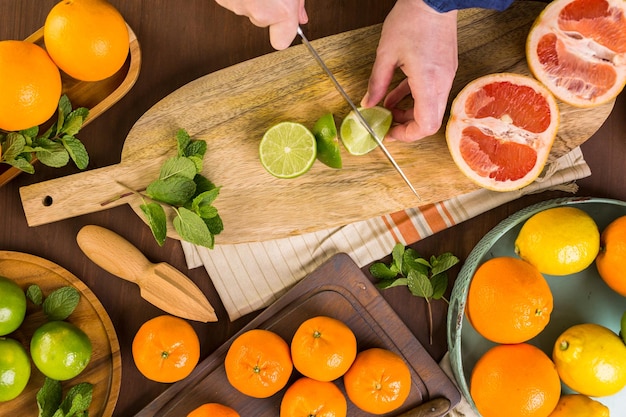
x,y
213,410
312,398
517,380
166,349
508,300
258,363
611,260
378,382
323,348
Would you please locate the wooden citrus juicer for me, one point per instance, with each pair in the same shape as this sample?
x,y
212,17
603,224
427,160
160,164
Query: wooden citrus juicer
x,y
160,284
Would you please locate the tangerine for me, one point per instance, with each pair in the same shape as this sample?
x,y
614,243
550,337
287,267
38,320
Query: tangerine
x,y
516,380
501,129
312,398
87,39
323,348
508,300
378,382
213,410
258,363
166,349
612,256
30,85
577,49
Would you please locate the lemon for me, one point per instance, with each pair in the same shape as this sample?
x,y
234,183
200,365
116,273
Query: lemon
x,y
12,306
578,405
559,241
14,369
355,137
325,132
287,150
591,360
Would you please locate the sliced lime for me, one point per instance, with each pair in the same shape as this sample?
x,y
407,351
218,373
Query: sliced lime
x,y
325,132
287,150
355,137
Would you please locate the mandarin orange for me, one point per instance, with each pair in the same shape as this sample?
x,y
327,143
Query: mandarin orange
x,y
308,397
213,410
611,260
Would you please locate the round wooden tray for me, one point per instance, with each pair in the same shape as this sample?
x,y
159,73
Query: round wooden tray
x,y
104,370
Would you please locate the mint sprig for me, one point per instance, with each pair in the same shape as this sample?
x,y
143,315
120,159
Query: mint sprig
x,y
58,305
426,278
54,148
51,403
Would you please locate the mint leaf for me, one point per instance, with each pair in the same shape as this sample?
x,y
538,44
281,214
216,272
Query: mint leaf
x,y
157,221
197,148
52,154
182,141
390,283
74,122
381,271
202,184
201,204
419,284
61,303
443,262
22,164
440,284
178,166
192,228
77,400
175,191
34,294
214,224
49,397
13,146
76,151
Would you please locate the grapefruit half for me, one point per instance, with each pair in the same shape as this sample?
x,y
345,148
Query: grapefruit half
x,y
501,129
577,48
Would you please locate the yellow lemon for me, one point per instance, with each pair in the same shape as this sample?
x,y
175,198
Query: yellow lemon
x,y
591,360
559,241
578,405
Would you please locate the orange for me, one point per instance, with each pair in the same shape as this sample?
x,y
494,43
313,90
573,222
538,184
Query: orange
x,y
166,349
577,48
501,129
213,410
87,39
258,363
323,348
30,84
378,382
508,300
311,398
516,380
578,405
611,260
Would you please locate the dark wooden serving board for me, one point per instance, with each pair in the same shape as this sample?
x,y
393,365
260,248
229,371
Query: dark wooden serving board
x,y
338,289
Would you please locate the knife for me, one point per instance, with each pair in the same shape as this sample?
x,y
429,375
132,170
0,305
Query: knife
x,y
358,114
161,284
432,408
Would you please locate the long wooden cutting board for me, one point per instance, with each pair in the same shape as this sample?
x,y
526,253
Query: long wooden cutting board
x,y
231,109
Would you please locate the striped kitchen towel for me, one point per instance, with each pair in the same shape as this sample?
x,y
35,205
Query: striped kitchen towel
x,y
250,276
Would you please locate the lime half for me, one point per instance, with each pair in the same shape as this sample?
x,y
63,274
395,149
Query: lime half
x,y
288,150
325,132
355,137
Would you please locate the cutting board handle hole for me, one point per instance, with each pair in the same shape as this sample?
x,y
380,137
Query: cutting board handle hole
x,y
47,201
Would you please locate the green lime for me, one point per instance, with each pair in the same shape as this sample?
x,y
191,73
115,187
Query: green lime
x,y
14,369
60,350
12,306
288,150
355,137
325,132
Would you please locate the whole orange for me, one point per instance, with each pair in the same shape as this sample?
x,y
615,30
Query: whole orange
x,y
30,85
508,300
258,363
87,39
611,260
323,348
312,398
517,380
213,410
378,382
166,349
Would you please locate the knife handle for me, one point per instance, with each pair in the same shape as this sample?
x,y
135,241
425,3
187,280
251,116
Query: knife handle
x,y
113,253
433,408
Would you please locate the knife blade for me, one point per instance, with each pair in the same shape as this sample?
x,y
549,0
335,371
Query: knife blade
x,y
358,114
432,408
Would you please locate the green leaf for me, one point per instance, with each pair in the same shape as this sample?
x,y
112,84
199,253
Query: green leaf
x,y
178,166
61,303
182,141
202,203
156,220
389,283
13,146
49,397
419,284
196,148
53,154
202,184
214,224
381,271
413,261
76,151
197,161
192,228
444,262
31,132
175,190
440,284
22,164
34,294
64,109
72,124
77,400
397,254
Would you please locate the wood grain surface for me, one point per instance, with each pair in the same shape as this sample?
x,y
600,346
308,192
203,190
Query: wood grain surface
x,y
231,109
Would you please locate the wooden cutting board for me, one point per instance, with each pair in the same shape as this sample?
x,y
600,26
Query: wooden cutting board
x,y
231,109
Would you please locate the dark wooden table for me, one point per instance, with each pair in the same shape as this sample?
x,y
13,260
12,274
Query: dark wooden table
x,y
181,41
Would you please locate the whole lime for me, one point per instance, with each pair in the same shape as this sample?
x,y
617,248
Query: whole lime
x,y
60,350
14,369
12,306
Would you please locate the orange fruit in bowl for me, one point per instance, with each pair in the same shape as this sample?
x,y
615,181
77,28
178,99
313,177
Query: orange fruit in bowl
x,y
516,380
577,48
166,349
258,363
87,39
378,382
309,397
611,260
578,405
323,348
501,129
213,410
30,84
508,300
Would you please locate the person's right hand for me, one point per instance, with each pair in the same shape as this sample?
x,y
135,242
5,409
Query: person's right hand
x,y
282,17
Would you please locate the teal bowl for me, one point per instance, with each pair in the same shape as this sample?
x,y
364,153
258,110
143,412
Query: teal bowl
x,y
578,298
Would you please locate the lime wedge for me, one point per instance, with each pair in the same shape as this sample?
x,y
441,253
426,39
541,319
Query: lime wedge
x,y
355,137
287,150
325,132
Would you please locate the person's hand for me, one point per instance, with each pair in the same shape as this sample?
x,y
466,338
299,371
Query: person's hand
x,y
282,17
423,44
